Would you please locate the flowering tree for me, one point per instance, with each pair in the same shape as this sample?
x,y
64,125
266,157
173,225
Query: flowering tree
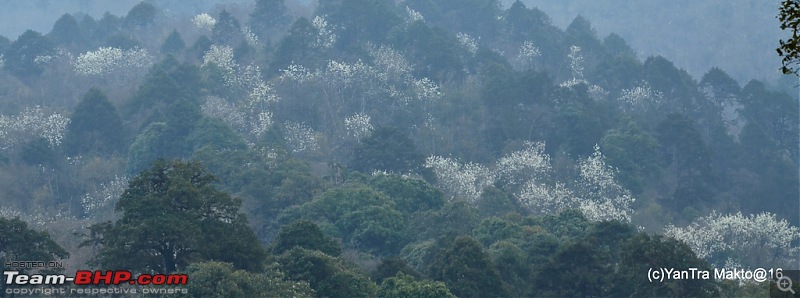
x,y
33,122
358,126
526,175
104,195
204,21
527,56
299,137
325,36
113,62
468,43
640,98
461,181
759,240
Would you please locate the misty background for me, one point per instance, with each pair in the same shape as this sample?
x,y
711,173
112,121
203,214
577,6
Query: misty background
x,y
738,37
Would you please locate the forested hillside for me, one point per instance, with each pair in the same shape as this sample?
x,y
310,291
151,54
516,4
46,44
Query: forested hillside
x,y
387,148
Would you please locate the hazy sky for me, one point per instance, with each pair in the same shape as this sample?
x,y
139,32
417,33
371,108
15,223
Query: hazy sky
x,y
738,36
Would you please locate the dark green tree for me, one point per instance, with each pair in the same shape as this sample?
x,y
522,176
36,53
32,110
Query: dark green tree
x,y
467,270
268,15
789,50
305,234
67,33
387,149
403,285
173,44
141,15
227,29
95,126
642,252
171,216
217,279
21,54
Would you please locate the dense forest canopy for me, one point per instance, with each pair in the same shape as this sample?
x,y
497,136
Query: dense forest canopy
x,y
358,148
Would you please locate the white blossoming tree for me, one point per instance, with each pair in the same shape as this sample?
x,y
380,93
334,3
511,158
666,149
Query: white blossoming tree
x,y
760,240
640,99
33,122
601,197
204,21
113,63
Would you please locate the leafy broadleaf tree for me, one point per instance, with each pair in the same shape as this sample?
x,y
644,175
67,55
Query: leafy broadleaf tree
x,y
217,279
20,57
95,126
789,16
307,235
468,270
268,15
172,216
387,149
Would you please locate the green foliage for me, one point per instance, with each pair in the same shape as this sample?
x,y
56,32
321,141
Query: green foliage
x,y
304,234
409,195
38,152
146,148
66,32
327,275
348,284
21,54
387,149
392,266
227,29
171,216
633,152
789,16
141,15
452,220
642,252
467,270
403,285
95,127
296,47
268,15
217,279
173,44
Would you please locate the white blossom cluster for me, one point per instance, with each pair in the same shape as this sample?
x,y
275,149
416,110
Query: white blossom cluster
x,y
358,126
204,21
518,167
543,199
107,60
389,78
469,43
527,55
325,36
248,119
640,98
761,239
576,62
602,198
221,56
462,181
250,37
32,122
105,194
300,137
2,60
219,108
413,16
